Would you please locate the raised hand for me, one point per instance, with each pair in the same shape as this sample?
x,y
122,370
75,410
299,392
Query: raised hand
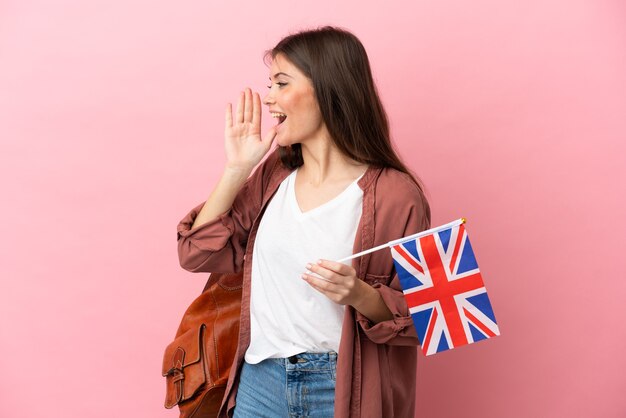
x,y
244,146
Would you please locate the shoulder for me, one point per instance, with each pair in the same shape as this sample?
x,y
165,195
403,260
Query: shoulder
x,y
394,207
397,186
400,200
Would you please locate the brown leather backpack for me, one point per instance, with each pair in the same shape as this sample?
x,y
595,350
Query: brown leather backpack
x,y
197,363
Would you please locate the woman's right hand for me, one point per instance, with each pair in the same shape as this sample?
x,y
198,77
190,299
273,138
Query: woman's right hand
x,y
244,146
244,150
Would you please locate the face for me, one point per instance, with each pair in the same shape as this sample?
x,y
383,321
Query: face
x,y
291,100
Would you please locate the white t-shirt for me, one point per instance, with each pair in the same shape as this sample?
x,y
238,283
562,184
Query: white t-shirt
x,y
287,315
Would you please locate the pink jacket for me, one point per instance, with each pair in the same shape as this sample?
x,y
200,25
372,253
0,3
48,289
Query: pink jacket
x,y
376,363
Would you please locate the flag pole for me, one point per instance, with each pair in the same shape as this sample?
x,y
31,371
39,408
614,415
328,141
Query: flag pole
x,y
405,239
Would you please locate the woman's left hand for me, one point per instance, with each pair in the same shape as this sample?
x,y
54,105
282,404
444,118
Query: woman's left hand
x,y
338,283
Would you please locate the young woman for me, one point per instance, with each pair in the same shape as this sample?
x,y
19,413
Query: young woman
x,y
317,338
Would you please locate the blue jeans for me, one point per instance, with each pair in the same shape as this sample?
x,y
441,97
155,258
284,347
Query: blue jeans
x,y
294,387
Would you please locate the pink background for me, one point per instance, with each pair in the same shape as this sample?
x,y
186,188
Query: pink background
x,y
513,114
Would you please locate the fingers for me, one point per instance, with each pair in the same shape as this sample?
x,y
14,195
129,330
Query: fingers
x,y
320,271
329,271
247,106
335,280
256,110
229,115
321,284
240,107
330,267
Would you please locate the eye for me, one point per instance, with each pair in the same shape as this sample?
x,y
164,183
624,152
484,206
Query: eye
x,y
280,84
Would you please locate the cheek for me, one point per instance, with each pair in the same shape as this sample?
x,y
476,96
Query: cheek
x,y
303,110
315,118
312,110
304,100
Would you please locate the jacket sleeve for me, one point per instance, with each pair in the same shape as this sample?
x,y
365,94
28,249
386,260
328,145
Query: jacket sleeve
x,y
396,331
218,246
400,329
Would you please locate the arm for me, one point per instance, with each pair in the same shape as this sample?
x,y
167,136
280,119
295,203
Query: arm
x,y
244,150
212,235
399,330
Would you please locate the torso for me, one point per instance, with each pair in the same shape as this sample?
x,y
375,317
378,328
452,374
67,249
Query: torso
x,y
359,350
281,304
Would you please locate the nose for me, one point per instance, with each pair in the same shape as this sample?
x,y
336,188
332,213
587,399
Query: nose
x,y
268,99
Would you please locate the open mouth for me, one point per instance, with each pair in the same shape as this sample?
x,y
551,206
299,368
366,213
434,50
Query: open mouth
x,y
280,117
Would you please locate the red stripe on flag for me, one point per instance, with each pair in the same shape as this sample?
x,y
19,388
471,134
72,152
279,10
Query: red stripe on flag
x,y
457,245
478,323
431,328
408,258
455,287
444,290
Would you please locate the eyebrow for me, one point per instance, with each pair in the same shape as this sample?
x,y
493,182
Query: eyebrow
x,y
281,73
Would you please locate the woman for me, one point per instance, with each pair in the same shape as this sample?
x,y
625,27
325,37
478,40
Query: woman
x,y
317,337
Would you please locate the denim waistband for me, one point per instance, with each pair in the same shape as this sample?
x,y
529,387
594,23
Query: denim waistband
x,y
309,361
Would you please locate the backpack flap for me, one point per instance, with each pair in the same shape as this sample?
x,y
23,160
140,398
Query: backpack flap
x,y
183,366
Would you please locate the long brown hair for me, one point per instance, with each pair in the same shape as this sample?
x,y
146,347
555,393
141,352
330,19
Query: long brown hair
x,y
336,63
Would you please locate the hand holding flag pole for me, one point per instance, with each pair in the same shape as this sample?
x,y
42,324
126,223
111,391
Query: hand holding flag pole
x,y
443,287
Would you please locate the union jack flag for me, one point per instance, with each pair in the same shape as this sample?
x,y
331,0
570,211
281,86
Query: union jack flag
x,y
444,289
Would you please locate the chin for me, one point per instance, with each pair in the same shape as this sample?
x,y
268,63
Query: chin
x,y
285,142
